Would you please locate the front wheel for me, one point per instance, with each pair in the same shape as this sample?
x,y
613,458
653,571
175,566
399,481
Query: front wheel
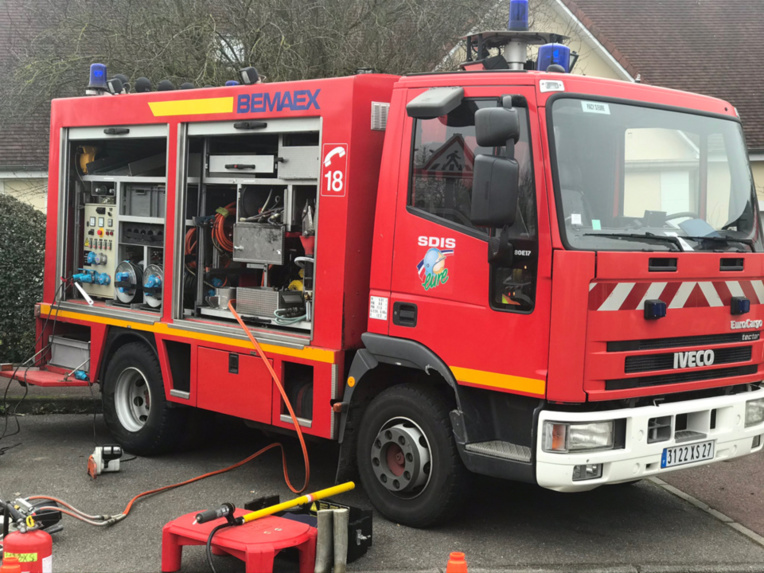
x,y
134,405
407,458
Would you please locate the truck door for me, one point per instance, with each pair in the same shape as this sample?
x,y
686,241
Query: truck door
x,y
488,322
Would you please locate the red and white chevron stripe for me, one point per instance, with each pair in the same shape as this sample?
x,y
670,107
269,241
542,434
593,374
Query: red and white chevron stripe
x,y
680,294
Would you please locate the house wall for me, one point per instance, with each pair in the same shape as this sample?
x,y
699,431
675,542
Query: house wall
x,y
758,178
31,190
551,16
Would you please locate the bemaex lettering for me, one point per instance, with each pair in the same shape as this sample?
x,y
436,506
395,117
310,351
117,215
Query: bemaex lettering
x,y
297,100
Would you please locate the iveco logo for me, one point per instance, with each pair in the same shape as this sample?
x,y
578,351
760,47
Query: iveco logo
x,y
738,324
693,358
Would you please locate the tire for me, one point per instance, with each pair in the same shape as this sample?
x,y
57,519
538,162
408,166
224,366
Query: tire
x,y
134,405
407,459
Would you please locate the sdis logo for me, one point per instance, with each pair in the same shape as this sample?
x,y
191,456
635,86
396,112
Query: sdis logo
x,y
439,242
432,268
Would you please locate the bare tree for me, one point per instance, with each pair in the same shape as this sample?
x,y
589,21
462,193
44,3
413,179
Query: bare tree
x,y
206,41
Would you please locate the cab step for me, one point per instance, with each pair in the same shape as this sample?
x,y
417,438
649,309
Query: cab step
x,y
499,449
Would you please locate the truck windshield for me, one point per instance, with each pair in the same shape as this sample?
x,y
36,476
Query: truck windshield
x,y
630,177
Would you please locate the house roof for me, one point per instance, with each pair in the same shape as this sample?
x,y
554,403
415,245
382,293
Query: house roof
x,y
23,140
703,46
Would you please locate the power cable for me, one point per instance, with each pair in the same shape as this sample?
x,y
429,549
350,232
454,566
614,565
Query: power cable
x,y
56,306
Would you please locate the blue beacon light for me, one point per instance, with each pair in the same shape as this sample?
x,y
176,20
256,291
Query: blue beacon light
x,y
553,54
98,77
518,15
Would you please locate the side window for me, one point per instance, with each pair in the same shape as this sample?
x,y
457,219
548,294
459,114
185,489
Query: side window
x,y
442,163
444,151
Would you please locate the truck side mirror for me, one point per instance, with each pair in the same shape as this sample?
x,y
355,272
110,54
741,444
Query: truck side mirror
x,y
496,179
495,126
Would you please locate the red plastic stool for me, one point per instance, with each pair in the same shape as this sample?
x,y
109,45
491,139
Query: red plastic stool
x,y
256,543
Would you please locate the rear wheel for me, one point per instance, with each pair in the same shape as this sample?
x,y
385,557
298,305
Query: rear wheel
x,y
407,458
134,405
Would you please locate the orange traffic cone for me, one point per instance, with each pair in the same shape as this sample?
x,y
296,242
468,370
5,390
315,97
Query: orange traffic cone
x,y
10,565
456,563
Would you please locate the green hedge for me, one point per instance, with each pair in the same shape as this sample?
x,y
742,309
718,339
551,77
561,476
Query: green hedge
x,y
22,253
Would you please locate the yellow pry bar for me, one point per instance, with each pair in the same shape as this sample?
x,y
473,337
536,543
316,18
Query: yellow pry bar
x,y
307,353
192,106
502,381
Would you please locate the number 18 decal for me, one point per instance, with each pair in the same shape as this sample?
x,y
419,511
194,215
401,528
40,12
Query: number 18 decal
x,y
334,170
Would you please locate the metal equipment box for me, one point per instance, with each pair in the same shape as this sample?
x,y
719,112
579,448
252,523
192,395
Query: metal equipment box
x,y
299,162
257,301
69,353
143,201
259,243
240,165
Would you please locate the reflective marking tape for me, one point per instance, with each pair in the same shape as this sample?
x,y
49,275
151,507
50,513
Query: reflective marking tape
x,y
682,295
654,291
735,288
502,381
308,353
758,287
711,295
616,298
612,296
192,106
23,557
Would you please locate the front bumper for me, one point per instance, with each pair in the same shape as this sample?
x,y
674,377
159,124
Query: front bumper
x,y
638,458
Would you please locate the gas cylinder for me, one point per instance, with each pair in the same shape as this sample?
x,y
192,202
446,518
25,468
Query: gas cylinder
x,y
34,550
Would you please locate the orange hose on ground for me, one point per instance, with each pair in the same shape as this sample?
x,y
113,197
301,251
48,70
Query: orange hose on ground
x,y
245,460
192,480
286,402
201,477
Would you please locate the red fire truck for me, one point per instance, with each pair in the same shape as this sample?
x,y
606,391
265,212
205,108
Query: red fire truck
x,y
527,274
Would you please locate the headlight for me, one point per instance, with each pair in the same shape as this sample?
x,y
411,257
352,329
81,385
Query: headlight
x,y
565,437
754,412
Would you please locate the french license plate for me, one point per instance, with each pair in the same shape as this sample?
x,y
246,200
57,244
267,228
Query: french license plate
x,y
688,453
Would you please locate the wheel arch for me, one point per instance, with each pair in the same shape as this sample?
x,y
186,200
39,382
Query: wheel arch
x,y
119,337
385,354
384,362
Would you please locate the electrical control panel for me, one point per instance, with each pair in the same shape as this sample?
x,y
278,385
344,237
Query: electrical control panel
x,y
99,250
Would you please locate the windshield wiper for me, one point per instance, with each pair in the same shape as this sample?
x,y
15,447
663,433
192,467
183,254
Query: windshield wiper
x,y
641,237
723,239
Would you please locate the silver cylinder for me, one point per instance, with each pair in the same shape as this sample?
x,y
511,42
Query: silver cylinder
x,y
516,53
324,548
341,519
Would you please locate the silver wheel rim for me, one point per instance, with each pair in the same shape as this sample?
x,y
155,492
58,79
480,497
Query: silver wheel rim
x,y
401,458
132,399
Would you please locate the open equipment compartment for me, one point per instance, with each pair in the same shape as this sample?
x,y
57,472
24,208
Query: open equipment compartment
x,y
114,208
250,204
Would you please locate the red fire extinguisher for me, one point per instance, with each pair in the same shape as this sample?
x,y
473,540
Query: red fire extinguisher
x,y
33,549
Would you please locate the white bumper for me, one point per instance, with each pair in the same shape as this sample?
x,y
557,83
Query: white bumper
x,y
638,458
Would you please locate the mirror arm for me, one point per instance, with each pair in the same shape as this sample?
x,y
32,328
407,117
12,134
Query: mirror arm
x,y
500,249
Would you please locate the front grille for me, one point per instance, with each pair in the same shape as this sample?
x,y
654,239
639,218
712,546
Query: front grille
x,y
679,377
705,340
666,361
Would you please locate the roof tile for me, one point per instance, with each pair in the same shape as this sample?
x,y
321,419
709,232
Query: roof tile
x,y
704,46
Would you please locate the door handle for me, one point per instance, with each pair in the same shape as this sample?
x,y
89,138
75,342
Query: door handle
x,y
404,314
